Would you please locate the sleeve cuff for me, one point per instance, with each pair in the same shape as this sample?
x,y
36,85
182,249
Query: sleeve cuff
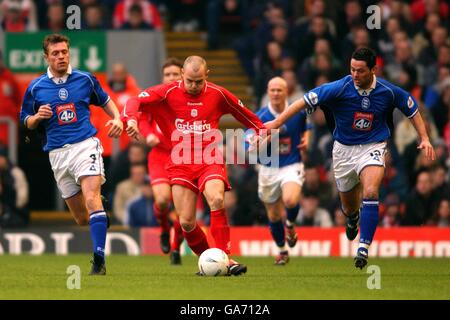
x,y
414,113
106,102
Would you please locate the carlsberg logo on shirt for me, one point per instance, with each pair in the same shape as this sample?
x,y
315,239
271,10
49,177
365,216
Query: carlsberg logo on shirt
x,y
195,127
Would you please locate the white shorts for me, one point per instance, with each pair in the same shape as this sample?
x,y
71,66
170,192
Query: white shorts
x,y
74,161
349,161
270,180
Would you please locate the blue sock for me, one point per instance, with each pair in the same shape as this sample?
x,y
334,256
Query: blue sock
x,y
98,226
369,221
292,213
277,230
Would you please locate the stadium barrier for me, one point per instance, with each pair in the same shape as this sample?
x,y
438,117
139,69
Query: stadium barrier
x,y
417,242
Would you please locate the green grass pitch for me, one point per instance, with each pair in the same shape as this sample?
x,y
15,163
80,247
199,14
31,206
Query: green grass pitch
x,y
152,277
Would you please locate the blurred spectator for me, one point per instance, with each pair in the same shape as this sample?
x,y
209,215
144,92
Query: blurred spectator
x,y
128,16
394,180
230,205
55,17
423,37
421,8
127,190
13,194
442,215
186,15
438,179
121,86
317,29
295,90
339,217
315,185
136,20
316,8
226,19
140,211
392,211
431,72
403,62
428,55
321,139
18,16
357,37
93,18
421,202
311,214
136,153
353,15
405,136
10,100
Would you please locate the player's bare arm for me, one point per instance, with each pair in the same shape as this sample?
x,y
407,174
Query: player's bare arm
x,y
290,111
44,112
425,143
116,124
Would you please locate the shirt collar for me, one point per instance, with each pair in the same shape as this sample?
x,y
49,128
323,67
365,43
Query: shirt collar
x,y
59,79
272,110
366,92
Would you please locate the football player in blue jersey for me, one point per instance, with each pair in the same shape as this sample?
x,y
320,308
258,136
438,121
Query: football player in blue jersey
x,y
58,101
279,185
359,109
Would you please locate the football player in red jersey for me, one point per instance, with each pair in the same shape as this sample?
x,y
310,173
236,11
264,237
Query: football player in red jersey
x,y
158,157
189,110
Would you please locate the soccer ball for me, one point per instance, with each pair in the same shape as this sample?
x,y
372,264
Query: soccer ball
x,y
213,262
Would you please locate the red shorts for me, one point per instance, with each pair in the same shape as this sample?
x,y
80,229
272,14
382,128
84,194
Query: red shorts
x,y
195,176
157,161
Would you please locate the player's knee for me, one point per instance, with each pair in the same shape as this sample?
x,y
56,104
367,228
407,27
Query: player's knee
x,y
290,203
93,202
162,204
216,202
187,225
370,192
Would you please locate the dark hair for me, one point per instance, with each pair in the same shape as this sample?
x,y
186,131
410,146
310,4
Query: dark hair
x,y
52,39
135,8
172,62
367,55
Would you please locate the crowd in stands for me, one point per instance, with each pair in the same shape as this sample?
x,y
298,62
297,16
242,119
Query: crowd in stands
x,y
308,43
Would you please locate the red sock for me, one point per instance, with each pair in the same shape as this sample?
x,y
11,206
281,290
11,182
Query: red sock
x,y
220,230
196,240
176,235
162,216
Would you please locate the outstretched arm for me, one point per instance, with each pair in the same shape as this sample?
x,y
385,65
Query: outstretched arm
x,y
425,144
134,105
116,124
288,113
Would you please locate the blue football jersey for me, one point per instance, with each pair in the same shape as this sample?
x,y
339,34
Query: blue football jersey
x,y
361,116
290,134
70,122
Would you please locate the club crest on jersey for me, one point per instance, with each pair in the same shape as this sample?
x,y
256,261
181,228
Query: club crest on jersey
x,y
313,98
410,103
365,103
143,94
194,112
63,94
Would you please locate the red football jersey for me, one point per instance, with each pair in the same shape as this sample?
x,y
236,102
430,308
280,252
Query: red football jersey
x,y
180,114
